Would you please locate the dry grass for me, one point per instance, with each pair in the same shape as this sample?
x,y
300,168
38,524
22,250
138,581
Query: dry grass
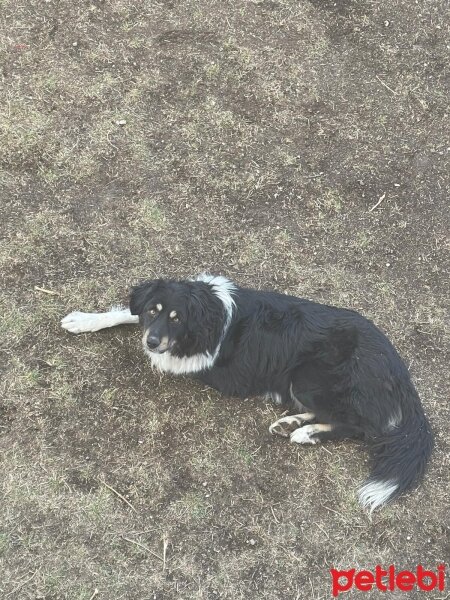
x,y
251,138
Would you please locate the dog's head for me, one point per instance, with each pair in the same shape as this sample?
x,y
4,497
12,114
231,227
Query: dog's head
x,y
180,317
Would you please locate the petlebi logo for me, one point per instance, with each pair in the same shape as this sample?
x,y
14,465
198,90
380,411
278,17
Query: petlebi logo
x,y
388,580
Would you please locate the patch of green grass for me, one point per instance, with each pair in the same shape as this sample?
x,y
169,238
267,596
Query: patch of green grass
x,y
212,70
97,506
19,319
330,201
13,324
193,507
245,455
63,393
25,134
252,250
151,215
362,240
53,581
36,232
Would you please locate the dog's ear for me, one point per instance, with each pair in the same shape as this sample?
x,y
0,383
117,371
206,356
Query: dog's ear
x,y
140,295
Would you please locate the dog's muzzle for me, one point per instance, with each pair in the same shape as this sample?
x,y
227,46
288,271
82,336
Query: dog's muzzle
x,y
156,345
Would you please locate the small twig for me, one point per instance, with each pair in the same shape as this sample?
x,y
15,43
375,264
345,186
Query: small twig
x,y
378,203
94,594
119,495
274,516
292,555
386,86
312,587
165,545
144,548
333,511
50,292
110,142
322,530
238,522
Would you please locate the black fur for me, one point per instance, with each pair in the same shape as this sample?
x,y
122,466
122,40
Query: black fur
x,y
330,361
200,312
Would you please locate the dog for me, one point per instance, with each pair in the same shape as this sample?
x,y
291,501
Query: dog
x,y
339,373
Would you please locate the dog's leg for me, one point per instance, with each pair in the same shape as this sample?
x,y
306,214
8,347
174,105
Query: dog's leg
x,y
313,434
274,397
286,425
80,322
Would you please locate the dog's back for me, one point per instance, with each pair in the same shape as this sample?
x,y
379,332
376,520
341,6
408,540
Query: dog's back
x,y
337,365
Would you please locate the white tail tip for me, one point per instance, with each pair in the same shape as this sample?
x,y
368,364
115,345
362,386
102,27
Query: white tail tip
x,y
376,493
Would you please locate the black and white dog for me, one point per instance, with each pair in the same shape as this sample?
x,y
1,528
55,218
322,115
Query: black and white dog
x,y
338,372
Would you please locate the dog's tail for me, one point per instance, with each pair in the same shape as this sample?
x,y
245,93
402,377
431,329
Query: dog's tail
x,y
399,458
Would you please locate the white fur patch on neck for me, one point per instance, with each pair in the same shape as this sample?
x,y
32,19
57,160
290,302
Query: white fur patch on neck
x,y
223,289
167,363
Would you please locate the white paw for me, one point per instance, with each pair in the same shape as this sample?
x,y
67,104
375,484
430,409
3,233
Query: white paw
x,y
79,322
286,425
303,435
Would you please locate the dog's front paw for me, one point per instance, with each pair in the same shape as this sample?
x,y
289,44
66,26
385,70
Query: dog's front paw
x,y
286,425
80,322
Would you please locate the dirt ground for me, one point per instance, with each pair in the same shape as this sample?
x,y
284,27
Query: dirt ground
x,y
291,144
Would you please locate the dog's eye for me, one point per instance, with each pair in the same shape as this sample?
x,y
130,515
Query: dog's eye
x,y
153,311
175,319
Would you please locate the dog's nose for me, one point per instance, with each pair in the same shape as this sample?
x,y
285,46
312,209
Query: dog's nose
x,y
152,342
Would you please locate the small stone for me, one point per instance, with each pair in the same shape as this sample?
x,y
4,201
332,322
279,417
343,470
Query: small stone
x,y
121,122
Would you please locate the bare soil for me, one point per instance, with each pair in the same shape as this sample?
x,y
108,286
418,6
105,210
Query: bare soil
x,y
294,145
